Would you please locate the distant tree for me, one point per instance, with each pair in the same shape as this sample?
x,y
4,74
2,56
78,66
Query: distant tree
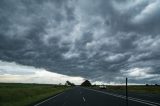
x,y
147,84
86,83
69,83
156,84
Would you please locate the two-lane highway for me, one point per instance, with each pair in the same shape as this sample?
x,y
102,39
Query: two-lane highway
x,y
80,96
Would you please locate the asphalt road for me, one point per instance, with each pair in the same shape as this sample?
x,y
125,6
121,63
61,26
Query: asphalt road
x,y
79,96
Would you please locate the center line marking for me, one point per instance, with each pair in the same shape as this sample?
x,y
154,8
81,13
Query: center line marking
x,y
84,99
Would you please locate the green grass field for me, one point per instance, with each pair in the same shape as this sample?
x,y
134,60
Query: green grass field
x,y
12,94
136,88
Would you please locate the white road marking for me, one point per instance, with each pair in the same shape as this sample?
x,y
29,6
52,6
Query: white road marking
x,y
143,100
84,99
129,98
48,99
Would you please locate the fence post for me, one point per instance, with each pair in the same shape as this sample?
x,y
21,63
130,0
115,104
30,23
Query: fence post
x,y
126,92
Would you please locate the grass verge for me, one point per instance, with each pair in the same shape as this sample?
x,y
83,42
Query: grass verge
x,y
26,94
134,88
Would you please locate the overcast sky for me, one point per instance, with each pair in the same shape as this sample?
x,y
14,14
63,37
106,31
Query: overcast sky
x,y
100,40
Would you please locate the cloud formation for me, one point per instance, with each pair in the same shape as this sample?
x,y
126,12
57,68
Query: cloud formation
x,y
29,74
98,40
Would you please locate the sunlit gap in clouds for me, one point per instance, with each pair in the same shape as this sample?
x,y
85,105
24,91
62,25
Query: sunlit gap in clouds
x,y
13,72
16,73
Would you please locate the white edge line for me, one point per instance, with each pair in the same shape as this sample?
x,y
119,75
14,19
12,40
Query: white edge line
x,y
144,100
48,99
130,98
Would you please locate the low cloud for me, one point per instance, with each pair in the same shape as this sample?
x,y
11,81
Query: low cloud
x,y
140,74
29,74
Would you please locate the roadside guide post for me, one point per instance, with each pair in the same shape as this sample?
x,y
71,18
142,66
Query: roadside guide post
x,y
126,92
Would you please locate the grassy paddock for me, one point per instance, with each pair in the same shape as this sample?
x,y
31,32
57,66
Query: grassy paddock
x,y
13,94
136,88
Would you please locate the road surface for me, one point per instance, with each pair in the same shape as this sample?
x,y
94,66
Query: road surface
x,y
80,96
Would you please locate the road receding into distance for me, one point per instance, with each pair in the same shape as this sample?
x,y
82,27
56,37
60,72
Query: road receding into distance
x,y
80,96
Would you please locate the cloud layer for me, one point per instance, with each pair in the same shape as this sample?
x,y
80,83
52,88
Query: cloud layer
x,y
104,40
29,74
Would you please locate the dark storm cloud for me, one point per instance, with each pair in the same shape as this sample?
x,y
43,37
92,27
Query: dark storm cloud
x,y
99,40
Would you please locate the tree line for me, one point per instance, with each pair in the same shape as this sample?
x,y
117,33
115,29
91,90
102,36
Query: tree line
x,y
85,83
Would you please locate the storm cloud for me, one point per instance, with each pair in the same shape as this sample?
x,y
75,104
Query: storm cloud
x,y
100,40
